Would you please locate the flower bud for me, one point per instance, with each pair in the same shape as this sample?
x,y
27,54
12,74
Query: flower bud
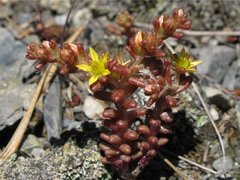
x,y
130,135
165,129
130,103
52,44
80,48
135,44
152,140
114,66
103,147
118,95
141,111
122,124
143,129
162,142
171,101
109,113
110,153
119,127
177,35
125,148
74,48
137,155
32,47
167,117
155,123
119,164
178,13
139,82
151,154
144,146
115,139
169,26
125,158
105,160
30,56
159,53
104,136
186,25
45,45
158,22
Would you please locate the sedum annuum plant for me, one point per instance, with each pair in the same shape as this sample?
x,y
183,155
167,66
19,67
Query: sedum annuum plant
x,y
160,75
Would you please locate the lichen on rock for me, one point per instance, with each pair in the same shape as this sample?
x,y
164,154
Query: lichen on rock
x,y
65,162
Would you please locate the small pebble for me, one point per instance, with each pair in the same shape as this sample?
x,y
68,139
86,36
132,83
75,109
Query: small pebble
x,y
214,113
93,108
221,165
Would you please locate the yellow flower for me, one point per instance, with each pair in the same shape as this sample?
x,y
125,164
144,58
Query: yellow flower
x,y
96,67
184,63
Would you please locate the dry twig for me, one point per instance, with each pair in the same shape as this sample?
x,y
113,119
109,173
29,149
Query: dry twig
x,y
192,163
43,84
18,135
205,155
75,79
197,165
195,33
179,173
211,33
211,120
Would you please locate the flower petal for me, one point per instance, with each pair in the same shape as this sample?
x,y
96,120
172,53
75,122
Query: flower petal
x,y
93,54
84,67
191,70
138,37
196,63
106,72
93,79
105,58
183,53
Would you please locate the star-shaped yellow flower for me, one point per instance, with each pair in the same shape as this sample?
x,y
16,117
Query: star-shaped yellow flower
x,y
184,63
97,66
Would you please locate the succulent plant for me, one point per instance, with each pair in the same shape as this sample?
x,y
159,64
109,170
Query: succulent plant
x,y
159,74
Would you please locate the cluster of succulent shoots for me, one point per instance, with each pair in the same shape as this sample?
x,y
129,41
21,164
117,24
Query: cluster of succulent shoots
x,y
67,57
160,75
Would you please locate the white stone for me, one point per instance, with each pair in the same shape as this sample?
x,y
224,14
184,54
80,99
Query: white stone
x,y
214,113
93,108
211,92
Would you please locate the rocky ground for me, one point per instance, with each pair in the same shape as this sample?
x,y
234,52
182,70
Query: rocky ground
x,y
62,143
